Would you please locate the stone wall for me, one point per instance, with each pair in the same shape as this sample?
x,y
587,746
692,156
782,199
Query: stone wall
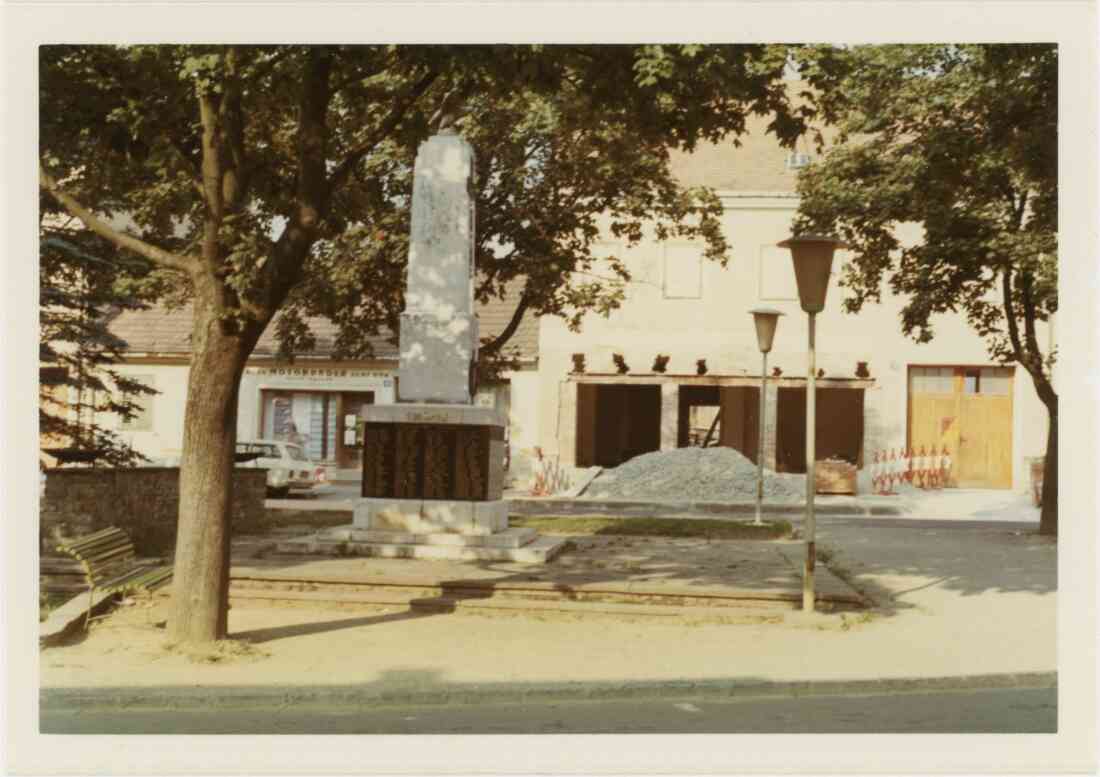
x,y
143,500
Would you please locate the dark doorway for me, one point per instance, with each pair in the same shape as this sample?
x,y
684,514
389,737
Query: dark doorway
x,y
740,416
698,416
616,423
838,431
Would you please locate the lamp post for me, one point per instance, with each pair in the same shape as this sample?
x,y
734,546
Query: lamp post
x,y
813,261
766,320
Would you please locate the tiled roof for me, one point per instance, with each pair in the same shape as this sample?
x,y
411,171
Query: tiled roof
x,y
759,164
494,316
161,331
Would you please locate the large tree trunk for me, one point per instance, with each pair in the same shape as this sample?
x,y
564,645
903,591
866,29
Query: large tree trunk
x,y
201,586
1048,517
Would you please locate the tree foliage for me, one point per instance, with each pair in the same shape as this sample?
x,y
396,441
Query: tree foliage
x,y
78,382
962,141
568,139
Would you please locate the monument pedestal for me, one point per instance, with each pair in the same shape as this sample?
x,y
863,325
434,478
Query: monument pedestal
x,y
432,482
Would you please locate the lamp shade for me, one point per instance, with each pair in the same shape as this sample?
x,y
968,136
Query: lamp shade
x,y
813,262
766,320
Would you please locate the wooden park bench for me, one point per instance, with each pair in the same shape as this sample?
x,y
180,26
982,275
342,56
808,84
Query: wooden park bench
x,y
111,566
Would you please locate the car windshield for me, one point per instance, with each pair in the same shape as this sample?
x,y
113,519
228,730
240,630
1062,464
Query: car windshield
x,y
296,453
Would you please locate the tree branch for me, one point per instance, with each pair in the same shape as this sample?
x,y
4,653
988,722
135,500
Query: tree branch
x,y
231,135
1010,314
343,170
517,316
211,158
154,254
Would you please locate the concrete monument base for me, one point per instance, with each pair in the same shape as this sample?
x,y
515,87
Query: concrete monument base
x,y
430,529
523,546
431,515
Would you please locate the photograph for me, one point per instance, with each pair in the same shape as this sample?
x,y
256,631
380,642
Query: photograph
x,y
494,387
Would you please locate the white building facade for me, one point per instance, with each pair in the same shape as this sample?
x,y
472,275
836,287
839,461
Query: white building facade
x,y
879,390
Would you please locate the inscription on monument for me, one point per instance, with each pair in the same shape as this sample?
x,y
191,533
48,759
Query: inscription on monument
x,y
429,461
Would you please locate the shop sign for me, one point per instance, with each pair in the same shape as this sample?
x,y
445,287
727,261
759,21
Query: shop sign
x,y
320,374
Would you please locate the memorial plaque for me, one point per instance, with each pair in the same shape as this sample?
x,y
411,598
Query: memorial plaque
x,y
430,461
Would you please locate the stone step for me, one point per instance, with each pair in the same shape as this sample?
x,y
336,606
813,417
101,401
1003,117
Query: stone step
x,y
451,602
538,551
339,590
509,538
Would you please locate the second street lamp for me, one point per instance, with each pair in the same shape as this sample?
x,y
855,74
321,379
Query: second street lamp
x,y
766,320
813,262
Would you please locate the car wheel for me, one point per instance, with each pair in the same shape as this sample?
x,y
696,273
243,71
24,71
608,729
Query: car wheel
x,y
278,493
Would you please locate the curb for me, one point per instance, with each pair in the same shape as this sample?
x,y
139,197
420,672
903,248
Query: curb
x,y
548,506
238,697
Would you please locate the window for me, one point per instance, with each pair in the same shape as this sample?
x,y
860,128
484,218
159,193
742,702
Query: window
x,y
683,271
986,381
142,419
933,380
796,160
996,381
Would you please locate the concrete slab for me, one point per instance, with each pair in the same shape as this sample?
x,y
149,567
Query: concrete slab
x,y
538,551
510,538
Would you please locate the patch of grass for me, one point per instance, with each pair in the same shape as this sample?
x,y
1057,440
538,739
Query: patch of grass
x,y
320,519
654,527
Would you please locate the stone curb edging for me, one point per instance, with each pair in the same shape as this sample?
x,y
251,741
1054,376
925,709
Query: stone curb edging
x,y
236,697
539,506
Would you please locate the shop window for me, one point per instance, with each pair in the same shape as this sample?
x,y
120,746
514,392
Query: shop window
x,y
304,418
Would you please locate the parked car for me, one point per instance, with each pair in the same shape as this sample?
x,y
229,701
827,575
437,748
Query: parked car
x,y
288,467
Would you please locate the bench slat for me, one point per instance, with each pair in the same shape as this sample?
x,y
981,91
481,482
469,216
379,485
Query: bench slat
x,y
90,537
106,552
141,578
113,538
86,549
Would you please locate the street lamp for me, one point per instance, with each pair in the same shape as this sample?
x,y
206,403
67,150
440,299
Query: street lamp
x,y
813,261
766,320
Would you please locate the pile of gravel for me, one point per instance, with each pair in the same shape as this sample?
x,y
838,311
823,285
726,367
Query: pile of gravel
x,y
694,475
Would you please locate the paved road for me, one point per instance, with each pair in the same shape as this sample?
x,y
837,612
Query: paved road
x,y
981,711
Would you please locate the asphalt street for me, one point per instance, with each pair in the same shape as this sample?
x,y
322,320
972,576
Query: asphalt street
x,y
969,711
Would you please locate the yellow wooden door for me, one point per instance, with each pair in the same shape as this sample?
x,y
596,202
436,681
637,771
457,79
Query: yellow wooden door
x,y
934,410
985,434
968,410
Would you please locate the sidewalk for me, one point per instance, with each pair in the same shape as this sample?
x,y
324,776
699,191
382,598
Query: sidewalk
x,y
955,607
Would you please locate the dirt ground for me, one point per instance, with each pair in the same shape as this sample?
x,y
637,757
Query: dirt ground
x,y
948,602
661,564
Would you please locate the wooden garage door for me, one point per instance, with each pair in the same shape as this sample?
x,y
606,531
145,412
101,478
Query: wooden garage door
x,y
968,410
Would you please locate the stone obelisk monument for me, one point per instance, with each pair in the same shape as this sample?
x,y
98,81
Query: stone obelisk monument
x,y
433,463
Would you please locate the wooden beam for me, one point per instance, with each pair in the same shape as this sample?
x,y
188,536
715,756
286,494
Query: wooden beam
x,y
614,379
